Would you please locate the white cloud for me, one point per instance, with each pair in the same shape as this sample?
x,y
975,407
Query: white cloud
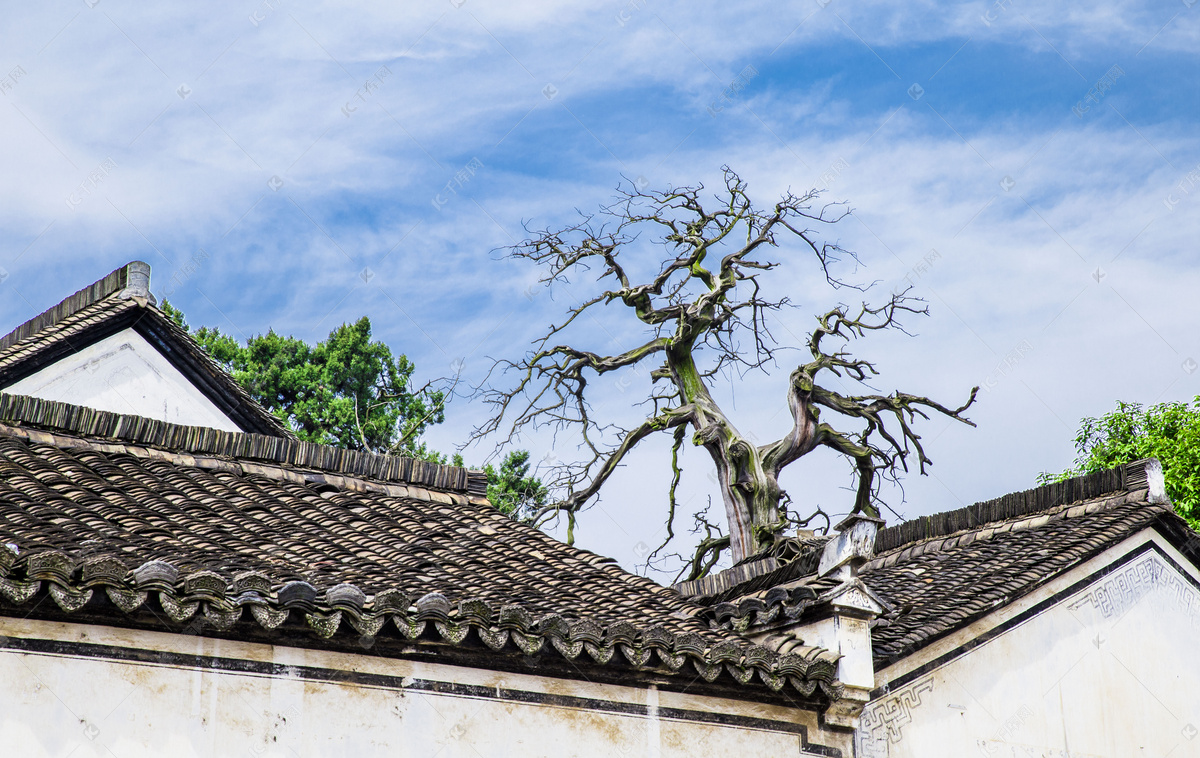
x,y
1014,265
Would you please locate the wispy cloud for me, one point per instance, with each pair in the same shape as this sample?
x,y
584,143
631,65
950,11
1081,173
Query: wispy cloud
x,y
319,156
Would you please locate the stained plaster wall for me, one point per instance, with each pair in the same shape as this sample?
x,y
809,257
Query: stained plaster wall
x,y
85,691
1102,662
124,373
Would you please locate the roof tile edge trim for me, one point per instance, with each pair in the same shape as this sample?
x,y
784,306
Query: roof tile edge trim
x,y
114,281
89,422
1131,476
204,597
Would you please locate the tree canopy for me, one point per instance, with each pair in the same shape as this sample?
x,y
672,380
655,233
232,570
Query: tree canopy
x,y
513,489
347,391
1169,432
703,314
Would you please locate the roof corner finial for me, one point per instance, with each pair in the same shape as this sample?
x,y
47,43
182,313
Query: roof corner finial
x,y
852,546
137,282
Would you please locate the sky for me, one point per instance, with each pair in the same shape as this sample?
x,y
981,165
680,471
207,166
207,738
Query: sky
x,y
1030,171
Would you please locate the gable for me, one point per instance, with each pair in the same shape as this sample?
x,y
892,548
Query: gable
x,y
123,373
1099,662
163,373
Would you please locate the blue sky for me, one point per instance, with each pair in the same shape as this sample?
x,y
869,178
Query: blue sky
x,y
300,153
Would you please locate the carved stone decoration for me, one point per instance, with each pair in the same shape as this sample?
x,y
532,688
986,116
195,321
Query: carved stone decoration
x,y
637,656
601,654
324,625
19,592
451,632
175,610
104,569
571,650
496,639
222,619
409,626
529,644
127,600
69,600
367,626
268,618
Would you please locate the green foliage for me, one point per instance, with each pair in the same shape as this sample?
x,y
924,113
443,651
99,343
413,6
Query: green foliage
x,y
1169,432
513,490
351,392
347,391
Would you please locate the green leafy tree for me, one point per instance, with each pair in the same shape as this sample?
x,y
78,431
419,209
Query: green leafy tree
x,y
351,392
1169,432
513,490
348,391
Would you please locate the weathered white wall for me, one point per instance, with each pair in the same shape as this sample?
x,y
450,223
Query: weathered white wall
x,y
1111,669
125,374
63,703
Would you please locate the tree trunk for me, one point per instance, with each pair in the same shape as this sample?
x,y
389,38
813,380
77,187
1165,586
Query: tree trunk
x,y
751,492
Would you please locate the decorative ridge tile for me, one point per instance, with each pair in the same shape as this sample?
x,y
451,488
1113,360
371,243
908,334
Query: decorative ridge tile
x,y
207,598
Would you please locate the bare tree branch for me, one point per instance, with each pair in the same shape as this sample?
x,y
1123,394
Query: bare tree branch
x,y
705,312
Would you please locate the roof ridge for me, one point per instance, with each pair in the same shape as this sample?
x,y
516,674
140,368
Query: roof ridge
x,y
90,422
1140,474
113,282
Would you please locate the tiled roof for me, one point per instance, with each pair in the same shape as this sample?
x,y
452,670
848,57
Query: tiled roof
x,y
108,306
145,514
941,573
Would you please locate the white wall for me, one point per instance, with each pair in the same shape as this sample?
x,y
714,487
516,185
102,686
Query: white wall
x,y
1110,669
125,374
77,701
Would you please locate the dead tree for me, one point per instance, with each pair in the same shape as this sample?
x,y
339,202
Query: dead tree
x,y
704,302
